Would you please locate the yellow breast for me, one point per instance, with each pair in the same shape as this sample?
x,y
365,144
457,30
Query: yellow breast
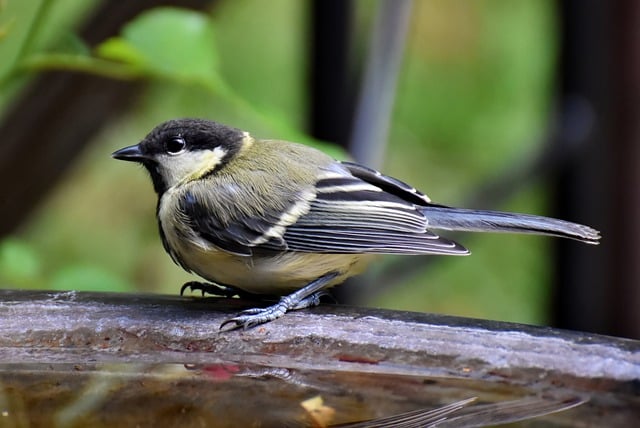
x,y
278,274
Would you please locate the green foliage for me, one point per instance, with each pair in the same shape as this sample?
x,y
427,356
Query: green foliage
x,y
87,278
169,43
31,27
472,104
19,264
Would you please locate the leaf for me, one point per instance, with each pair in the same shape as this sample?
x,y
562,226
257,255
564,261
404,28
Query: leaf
x,y
167,42
118,49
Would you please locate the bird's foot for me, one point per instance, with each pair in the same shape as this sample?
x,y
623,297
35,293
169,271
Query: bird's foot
x,y
304,298
255,316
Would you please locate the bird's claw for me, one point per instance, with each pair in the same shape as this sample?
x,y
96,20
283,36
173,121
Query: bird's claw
x,y
255,316
209,288
192,286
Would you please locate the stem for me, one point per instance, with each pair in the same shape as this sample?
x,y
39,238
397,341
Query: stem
x,y
83,64
28,40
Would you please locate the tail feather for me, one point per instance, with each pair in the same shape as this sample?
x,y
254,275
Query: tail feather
x,y
459,219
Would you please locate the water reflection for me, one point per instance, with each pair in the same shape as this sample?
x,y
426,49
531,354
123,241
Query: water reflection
x,y
227,394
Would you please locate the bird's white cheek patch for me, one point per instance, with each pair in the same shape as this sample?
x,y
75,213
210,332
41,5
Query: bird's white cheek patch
x,y
190,166
205,161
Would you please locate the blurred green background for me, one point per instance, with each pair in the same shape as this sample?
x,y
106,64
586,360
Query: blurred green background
x,y
473,99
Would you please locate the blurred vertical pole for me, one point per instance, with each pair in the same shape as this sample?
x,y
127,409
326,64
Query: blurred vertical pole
x,y
331,91
598,290
378,90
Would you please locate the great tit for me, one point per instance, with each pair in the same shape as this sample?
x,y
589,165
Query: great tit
x,y
274,217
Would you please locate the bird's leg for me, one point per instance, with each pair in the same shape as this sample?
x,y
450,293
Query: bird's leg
x,y
215,289
307,296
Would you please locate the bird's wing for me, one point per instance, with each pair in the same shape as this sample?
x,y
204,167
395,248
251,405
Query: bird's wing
x,y
231,227
359,210
386,183
351,209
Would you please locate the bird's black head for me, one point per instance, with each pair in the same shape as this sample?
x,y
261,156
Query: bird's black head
x,y
181,150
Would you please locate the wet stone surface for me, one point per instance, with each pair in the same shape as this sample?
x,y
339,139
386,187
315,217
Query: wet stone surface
x,y
91,359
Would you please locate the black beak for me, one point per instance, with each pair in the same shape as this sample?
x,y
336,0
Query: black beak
x,y
131,154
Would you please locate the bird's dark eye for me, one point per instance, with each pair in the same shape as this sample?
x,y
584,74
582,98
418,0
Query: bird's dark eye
x,y
176,145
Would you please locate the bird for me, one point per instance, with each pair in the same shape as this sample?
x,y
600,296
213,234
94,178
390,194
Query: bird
x,y
265,217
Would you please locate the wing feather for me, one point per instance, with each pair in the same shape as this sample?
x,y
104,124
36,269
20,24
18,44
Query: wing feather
x,y
365,228
369,213
237,232
352,209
